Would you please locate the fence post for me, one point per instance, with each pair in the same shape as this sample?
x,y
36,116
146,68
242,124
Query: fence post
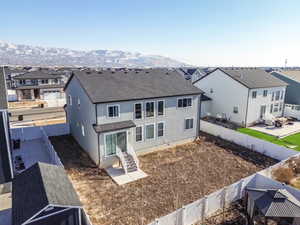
x,y
204,209
241,187
183,216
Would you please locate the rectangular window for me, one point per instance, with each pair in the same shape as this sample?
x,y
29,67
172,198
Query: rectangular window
x,y
138,134
189,124
149,109
70,100
78,102
235,110
254,94
265,93
82,130
280,107
160,129
160,108
273,96
271,108
138,111
184,102
113,111
150,131
276,107
282,95
277,95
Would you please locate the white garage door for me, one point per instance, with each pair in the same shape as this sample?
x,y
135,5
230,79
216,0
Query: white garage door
x,y
51,95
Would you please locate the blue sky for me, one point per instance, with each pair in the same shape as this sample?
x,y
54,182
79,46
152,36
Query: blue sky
x,y
204,33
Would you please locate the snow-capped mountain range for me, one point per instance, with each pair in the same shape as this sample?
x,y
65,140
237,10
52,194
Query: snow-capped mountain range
x,y
18,54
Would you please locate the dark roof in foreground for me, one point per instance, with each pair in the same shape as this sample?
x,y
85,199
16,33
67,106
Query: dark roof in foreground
x,y
114,126
275,203
113,86
37,187
3,94
38,74
251,78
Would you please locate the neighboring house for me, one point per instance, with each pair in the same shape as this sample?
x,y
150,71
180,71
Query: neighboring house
x,y
40,84
111,112
44,195
192,74
292,77
243,96
6,170
272,206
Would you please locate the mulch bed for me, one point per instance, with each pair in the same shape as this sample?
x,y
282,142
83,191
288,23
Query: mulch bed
x,y
176,177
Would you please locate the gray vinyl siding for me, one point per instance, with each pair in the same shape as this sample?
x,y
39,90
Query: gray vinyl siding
x,y
173,119
86,115
292,91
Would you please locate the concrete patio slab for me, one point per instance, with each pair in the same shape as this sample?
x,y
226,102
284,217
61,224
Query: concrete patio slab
x,y
32,151
282,132
120,177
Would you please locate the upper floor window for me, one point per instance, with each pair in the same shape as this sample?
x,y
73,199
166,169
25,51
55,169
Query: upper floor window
x,y
277,97
188,124
78,102
149,109
22,81
184,102
138,111
282,95
70,100
160,108
55,80
254,94
113,111
265,93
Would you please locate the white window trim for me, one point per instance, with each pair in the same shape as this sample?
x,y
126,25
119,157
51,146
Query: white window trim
x,y
162,100
113,132
70,99
142,133
188,118
153,109
107,112
182,103
164,129
142,107
154,130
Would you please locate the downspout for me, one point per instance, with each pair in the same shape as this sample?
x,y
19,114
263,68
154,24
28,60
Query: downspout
x,y
96,110
246,118
198,115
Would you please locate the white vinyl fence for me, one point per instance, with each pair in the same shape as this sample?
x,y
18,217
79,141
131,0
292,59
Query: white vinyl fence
x,y
43,132
292,111
267,148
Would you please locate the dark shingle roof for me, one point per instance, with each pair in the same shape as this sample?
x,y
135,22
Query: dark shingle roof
x,y
251,78
38,75
37,187
114,126
113,86
275,203
3,94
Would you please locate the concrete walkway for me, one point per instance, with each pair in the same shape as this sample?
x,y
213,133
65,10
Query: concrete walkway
x,y
119,176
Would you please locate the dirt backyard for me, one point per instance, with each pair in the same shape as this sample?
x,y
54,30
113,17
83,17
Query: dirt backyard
x,y
176,177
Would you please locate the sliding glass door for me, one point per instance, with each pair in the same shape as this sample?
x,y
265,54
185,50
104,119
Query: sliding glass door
x,y
112,141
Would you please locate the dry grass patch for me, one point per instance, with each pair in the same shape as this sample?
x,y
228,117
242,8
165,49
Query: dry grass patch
x,y
177,176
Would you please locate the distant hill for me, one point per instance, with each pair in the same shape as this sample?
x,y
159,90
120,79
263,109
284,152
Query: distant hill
x,y
17,54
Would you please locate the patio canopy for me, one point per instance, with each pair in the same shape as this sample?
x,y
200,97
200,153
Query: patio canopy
x,y
114,126
275,203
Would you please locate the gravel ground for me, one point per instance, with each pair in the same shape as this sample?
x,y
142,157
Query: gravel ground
x,y
177,176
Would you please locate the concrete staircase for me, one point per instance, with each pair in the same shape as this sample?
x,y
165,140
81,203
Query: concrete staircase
x,y
130,163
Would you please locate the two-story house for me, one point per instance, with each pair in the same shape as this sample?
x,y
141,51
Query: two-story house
x,y
39,84
243,96
292,77
113,114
